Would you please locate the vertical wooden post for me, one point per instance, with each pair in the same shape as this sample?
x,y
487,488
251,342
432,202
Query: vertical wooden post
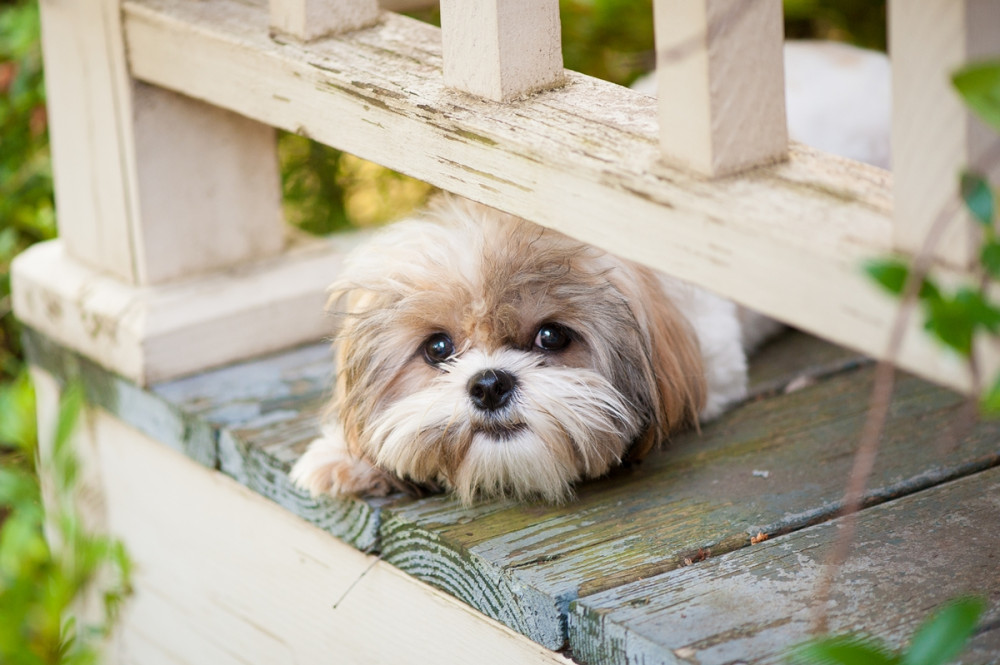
x,y
720,81
311,19
158,197
501,49
151,186
933,136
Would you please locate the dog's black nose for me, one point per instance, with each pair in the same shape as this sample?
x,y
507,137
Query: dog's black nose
x,y
491,389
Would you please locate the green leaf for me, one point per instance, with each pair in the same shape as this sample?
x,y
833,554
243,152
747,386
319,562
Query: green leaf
x,y
892,274
844,650
943,636
979,86
978,197
989,402
949,320
989,256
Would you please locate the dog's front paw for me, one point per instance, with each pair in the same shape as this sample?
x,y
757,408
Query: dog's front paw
x,y
328,468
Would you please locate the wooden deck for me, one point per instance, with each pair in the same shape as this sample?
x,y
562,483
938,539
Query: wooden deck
x,y
655,563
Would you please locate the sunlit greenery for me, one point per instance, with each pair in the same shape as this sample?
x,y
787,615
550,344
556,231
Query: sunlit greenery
x,y
26,210
51,564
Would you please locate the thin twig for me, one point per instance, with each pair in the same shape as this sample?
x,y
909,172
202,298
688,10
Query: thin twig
x,y
878,411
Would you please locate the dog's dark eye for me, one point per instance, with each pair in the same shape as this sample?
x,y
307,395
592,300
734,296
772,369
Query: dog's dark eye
x,y
438,348
553,337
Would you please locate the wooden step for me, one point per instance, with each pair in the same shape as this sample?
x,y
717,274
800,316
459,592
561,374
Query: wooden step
x,y
777,464
909,556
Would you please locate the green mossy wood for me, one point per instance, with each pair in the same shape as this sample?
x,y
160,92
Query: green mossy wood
x,y
777,465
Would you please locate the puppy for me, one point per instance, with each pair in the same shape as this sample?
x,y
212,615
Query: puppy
x,y
481,353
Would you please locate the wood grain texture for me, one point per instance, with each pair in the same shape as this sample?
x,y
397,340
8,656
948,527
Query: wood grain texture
x,y
934,137
719,72
751,605
793,360
501,49
212,417
786,240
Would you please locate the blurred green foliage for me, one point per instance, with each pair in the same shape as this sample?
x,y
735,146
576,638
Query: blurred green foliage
x,y
51,565
608,39
26,210
860,22
938,641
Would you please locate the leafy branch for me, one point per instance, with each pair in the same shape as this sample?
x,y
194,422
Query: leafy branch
x,y
938,641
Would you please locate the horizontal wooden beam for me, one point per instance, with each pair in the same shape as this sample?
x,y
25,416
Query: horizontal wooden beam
x,y
787,240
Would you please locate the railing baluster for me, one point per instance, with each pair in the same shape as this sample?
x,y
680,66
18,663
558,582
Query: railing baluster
x,y
501,49
933,136
720,78
311,19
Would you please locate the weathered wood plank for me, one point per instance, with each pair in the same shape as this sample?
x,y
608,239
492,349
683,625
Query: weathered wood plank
x,y
266,411
785,240
751,605
794,360
210,418
193,436
260,454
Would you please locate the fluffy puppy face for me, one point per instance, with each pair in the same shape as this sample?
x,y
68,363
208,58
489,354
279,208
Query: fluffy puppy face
x,y
482,353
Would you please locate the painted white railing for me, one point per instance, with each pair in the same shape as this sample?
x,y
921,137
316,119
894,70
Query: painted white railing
x,y
173,255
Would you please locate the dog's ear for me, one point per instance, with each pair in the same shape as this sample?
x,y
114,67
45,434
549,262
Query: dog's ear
x,y
346,406
678,375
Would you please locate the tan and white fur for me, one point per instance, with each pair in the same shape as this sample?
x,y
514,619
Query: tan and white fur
x,y
480,353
